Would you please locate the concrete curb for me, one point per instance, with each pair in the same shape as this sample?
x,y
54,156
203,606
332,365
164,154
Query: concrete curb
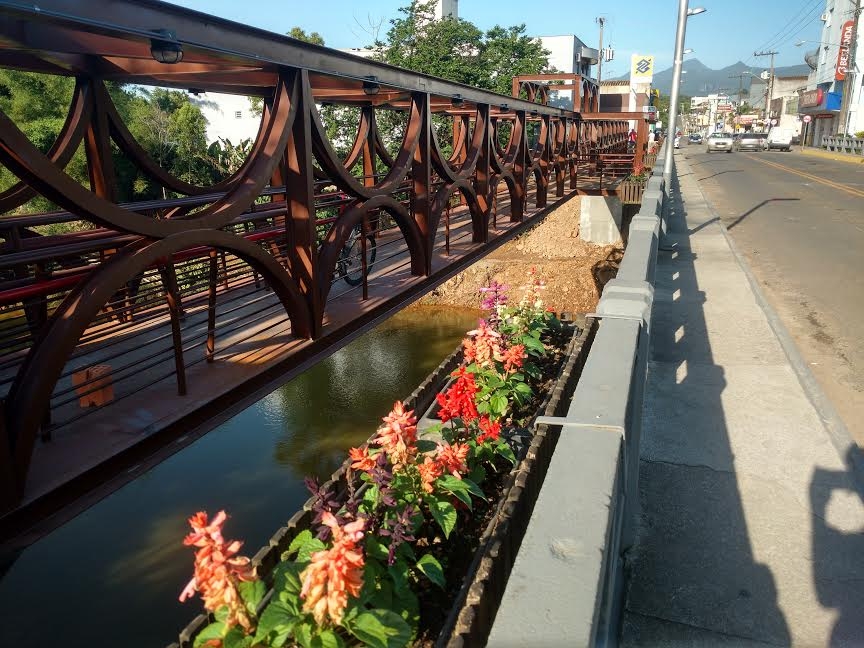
x,y
831,155
834,425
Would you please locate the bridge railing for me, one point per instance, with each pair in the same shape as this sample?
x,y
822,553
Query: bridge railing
x,y
184,273
838,144
566,586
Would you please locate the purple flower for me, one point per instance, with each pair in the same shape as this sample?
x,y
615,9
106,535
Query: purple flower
x,y
399,530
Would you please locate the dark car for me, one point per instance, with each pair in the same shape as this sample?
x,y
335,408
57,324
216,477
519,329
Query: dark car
x,y
695,138
751,142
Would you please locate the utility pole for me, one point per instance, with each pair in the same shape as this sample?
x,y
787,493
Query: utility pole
x,y
740,78
849,82
770,81
600,21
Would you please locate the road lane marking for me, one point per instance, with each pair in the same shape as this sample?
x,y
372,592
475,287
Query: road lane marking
x,y
810,176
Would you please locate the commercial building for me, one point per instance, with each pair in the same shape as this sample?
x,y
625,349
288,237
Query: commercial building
x,y
833,97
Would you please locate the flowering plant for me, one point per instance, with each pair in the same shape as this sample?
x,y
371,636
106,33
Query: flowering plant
x,y
353,577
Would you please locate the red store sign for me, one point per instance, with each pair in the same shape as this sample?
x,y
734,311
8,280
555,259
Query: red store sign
x,y
811,98
847,33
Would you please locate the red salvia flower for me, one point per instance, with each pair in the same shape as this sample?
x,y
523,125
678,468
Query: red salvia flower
x,y
489,430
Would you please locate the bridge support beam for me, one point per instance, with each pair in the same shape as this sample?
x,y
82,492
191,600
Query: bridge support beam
x,y
600,219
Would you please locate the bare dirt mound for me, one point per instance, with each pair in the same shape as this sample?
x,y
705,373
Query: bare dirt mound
x,y
575,271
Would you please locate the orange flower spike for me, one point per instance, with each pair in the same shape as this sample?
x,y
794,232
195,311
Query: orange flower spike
x,y
218,568
452,458
361,459
398,435
513,357
334,574
430,470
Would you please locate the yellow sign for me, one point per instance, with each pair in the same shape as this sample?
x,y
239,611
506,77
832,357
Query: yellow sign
x,y
641,68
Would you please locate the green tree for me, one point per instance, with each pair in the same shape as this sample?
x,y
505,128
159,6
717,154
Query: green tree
x,y
457,50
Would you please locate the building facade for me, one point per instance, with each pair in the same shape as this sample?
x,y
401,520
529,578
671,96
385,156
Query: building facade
x,y
833,97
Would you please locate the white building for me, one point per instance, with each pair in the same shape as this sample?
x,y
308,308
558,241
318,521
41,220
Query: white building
x,y
833,75
228,116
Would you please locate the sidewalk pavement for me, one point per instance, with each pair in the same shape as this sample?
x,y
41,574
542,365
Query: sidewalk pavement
x,y
750,531
831,155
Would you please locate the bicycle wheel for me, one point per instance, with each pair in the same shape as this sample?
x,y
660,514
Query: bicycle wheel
x,y
350,264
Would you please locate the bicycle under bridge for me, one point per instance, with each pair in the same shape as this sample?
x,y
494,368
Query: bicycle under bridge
x,y
121,336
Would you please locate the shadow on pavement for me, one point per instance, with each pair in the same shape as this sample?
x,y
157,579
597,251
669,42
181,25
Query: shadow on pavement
x,y
838,572
693,577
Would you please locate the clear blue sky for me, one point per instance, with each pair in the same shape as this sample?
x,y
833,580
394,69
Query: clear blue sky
x,y
730,31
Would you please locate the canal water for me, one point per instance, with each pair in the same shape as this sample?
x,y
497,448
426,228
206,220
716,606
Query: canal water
x,y
111,576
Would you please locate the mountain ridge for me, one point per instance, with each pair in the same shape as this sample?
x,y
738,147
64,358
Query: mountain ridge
x,y
702,80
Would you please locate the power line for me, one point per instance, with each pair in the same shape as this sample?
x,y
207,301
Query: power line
x,y
785,27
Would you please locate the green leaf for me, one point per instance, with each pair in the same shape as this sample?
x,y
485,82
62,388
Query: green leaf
x,y
215,630
532,370
445,515
499,404
478,473
432,569
381,629
237,638
327,639
305,544
473,488
460,488
506,451
303,634
524,388
426,445
286,581
277,620
252,592
376,549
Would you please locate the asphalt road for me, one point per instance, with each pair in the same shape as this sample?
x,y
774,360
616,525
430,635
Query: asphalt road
x,y
799,221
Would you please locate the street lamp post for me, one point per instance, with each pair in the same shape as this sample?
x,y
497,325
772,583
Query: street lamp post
x,y
683,13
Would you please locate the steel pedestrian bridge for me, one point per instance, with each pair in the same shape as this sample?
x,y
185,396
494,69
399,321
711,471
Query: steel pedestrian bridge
x,y
152,317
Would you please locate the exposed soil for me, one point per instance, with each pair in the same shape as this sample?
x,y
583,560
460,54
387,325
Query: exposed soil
x,y
575,271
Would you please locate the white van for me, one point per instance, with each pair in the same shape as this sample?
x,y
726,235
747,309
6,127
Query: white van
x,y
780,138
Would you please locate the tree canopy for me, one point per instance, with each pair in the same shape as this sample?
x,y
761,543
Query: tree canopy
x,y
457,50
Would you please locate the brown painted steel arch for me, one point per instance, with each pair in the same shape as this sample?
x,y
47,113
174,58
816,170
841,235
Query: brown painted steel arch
x,y
32,166
30,393
330,248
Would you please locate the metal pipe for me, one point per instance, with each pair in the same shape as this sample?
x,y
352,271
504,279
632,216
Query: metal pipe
x,y
673,95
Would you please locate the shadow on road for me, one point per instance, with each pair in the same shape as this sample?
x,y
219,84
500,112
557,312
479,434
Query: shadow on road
x,y
757,207
714,175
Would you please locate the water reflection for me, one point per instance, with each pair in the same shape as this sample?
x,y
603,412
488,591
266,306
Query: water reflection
x,y
111,576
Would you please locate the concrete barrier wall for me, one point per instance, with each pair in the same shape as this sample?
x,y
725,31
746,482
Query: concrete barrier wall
x,y
567,583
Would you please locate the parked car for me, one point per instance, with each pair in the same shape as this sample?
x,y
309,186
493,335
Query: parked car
x,y
720,142
780,138
695,138
751,142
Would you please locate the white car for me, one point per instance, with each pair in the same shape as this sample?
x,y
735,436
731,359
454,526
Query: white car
x,y
720,142
780,138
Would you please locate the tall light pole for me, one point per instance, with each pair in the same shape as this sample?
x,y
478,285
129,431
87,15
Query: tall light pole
x,y
683,13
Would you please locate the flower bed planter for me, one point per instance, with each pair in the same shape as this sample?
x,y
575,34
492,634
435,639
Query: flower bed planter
x,y
498,534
